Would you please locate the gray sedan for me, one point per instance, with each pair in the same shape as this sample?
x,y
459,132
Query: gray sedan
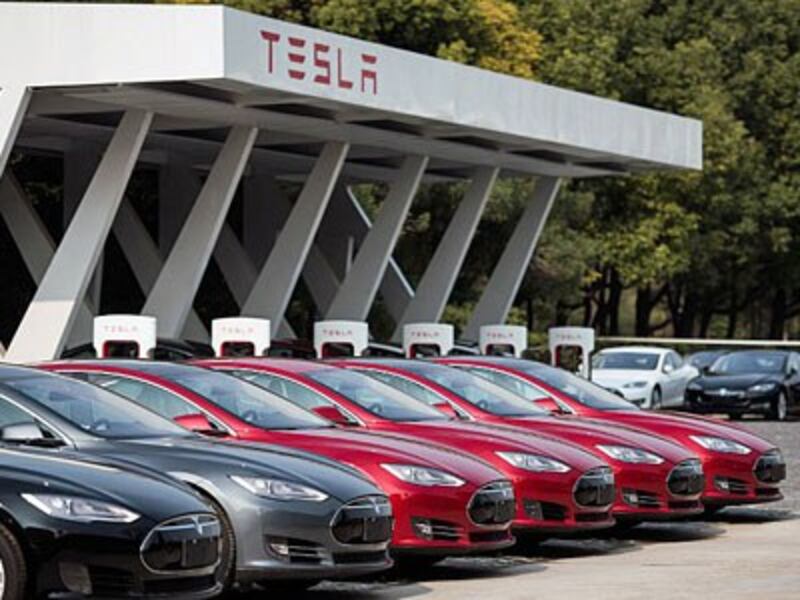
x,y
286,515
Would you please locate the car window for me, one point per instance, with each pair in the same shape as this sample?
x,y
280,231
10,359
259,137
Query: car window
x,y
297,393
750,362
510,382
13,415
414,389
640,361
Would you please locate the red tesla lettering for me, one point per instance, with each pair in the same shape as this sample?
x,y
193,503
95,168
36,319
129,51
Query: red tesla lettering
x,y
369,74
321,62
297,58
345,84
271,38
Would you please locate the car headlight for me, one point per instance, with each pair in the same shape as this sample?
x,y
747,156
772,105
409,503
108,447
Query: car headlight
x,y
720,444
83,510
278,489
424,476
635,384
762,388
694,386
533,462
627,454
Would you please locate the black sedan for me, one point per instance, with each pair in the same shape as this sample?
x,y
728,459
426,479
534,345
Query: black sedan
x,y
72,527
753,381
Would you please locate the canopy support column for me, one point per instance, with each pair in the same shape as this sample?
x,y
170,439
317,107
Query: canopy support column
x,y
49,318
173,294
276,282
437,283
13,105
357,290
507,276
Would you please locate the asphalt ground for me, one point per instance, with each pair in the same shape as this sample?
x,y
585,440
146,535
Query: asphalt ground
x,y
741,552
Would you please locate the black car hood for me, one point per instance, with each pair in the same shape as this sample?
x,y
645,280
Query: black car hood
x,y
737,382
57,472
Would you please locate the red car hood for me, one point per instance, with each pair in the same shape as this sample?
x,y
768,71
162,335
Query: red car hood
x,y
359,449
676,424
483,440
589,433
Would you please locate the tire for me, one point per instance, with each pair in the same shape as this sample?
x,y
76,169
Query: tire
x,y
779,407
13,574
226,571
655,398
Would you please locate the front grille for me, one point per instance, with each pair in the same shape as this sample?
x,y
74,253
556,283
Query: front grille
x,y
592,517
182,544
553,512
358,558
479,537
686,479
493,504
180,585
595,488
111,582
767,492
684,504
364,521
770,468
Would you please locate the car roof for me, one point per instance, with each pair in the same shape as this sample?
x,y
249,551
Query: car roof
x,y
651,349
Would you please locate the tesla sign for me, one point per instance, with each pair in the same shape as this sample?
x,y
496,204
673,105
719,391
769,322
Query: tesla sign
x,y
302,59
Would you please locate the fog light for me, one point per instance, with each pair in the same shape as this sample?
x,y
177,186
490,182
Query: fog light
x,y
630,497
423,528
75,578
279,546
534,510
721,483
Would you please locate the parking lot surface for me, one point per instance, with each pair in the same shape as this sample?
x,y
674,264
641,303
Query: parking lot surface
x,y
740,553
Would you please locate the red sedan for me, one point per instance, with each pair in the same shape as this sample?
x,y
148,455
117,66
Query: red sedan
x,y
444,503
560,488
656,478
740,467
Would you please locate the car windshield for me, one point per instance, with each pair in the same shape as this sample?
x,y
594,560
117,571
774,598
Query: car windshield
x,y
247,401
579,389
375,397
93,409
476,390
749,362
635,361
701,360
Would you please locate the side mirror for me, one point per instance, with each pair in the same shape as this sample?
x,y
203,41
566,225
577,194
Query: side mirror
x,y
550,405
668,369
447,409
332,413
21,432
198,423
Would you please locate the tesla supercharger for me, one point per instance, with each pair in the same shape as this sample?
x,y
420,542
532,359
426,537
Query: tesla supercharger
x,y
427,339
240,336
503,340
340,338
582,338
124,336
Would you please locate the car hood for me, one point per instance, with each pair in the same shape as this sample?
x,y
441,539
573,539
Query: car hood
x,y
485,440
62,472
371,449
680,426
617,377
589,433
735,382
215,459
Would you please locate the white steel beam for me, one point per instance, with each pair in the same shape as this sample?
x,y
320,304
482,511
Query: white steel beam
x,y
143,256
441,273
36,246
49,318
172,296
13,104
507,276
276,282
357,291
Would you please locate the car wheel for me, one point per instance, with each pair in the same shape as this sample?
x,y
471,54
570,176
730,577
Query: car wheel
x,y
226,570
779,408
655,398
12,567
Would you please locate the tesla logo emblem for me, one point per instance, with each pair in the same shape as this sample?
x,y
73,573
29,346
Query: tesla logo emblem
x,y
326,65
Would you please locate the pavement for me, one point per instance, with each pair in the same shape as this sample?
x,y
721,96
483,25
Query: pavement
x,y
742,552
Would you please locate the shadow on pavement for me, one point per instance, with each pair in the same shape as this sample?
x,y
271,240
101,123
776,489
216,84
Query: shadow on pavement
x,y
575,548
340,590
681,531
475,567
744,515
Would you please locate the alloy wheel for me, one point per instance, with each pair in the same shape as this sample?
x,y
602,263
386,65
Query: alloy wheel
x,y
2,579
781,408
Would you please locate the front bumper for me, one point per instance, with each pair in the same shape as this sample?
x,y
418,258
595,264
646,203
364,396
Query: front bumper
x,y
546,503
735,479
658,492
295,540
735,403
428,522
110,561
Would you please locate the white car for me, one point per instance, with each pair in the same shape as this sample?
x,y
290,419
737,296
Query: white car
x,y
649,377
